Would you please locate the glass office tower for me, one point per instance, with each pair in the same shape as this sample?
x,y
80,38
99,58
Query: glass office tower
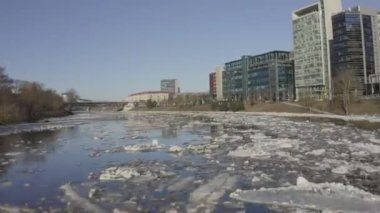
x,y
355,46
312,31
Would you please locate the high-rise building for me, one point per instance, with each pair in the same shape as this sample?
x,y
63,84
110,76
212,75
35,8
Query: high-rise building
x,y
312,31
356,47
170,85
216,83
269,76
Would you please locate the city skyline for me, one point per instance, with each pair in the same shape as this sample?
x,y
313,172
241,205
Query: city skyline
x,y
109,50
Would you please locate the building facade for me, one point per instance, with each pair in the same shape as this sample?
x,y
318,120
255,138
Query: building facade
x,y
268,76
219,82
170,85
312,32
233,80
216,83
355,47
212,84
157,96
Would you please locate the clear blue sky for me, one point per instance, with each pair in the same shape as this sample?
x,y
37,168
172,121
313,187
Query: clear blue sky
x,y
106,49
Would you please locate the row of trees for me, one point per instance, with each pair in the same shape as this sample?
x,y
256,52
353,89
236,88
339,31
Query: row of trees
x,y
343,92
27,101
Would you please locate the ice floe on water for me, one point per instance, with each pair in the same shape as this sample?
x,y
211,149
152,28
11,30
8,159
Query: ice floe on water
x,y
307,195
264,147
144,147
205,197
175,149
140,174
120,174
80,202
316,152
191,162
367,147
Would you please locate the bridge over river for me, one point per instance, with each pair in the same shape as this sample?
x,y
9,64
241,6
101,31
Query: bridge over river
x,y
97,105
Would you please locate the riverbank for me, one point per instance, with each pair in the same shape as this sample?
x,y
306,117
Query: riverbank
x,y
42,116
363,107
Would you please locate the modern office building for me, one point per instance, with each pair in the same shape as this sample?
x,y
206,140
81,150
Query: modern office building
x,y
233,80
312,31
170,85
216,83
268,76
356,47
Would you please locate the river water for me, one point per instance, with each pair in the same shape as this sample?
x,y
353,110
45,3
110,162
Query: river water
x,y
184,162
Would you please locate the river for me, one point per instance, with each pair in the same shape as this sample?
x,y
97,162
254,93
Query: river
x,y
187,162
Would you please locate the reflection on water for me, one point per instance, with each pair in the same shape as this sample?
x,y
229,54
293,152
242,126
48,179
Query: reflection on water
x,y
170,132
34,165
189,157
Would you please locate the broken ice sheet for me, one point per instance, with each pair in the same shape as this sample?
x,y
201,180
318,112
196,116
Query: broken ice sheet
x,y
209,193
307,195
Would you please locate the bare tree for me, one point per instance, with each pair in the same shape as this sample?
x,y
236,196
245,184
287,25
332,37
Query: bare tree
x,y
307,98
72,96
5,81
343,83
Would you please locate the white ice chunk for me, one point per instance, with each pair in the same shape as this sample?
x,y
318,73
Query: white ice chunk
x,y
307,195
142,148
212,191
79,201
175,149
341,170
155,142
372,148
118,174
317,152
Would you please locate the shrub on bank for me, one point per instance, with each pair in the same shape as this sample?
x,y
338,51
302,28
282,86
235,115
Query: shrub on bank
x,y
27,102
228,106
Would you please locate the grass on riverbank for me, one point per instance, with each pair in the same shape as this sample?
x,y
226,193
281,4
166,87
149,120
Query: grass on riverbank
x,y
357,107
262,107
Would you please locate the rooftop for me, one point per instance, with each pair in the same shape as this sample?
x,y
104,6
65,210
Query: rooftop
x,y
306,10
148,92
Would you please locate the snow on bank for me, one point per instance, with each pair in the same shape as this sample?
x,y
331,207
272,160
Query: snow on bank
x,y
307,195
369,118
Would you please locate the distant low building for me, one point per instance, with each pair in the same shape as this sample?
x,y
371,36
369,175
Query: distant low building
x,y
157,96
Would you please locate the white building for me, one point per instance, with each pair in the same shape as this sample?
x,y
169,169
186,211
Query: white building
x,y
157,96
312,31
219,82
